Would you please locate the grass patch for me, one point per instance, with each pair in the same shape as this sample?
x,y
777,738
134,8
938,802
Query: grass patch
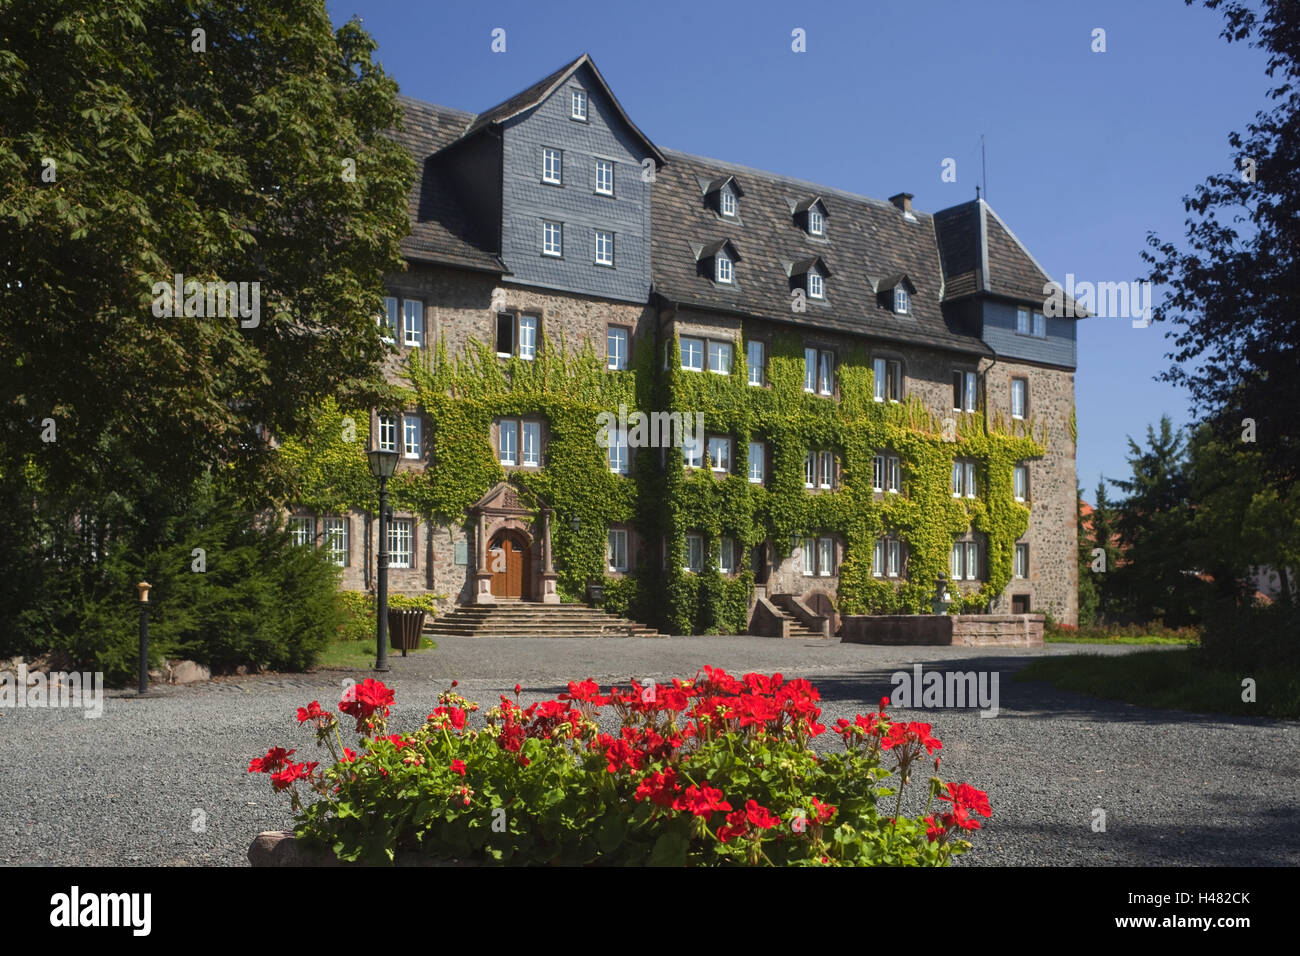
x,y
1171,680
1189,641
349,655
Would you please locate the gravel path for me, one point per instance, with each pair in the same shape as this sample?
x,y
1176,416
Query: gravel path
x,y
162,780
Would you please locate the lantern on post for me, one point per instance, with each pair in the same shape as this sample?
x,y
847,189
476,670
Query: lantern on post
x,y
143,601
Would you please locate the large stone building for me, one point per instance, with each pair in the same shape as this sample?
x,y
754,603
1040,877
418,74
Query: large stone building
x,y
792,317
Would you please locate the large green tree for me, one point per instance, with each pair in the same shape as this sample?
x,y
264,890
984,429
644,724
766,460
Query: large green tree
x,y
1233,287
1157,578
218,140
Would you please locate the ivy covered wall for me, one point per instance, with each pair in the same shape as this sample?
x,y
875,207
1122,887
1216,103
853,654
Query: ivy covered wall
x,y
462,395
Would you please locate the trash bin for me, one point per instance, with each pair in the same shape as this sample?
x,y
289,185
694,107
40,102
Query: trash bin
x,y
404,626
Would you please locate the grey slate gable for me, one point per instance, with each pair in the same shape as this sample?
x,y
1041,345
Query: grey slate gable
x,y
528,202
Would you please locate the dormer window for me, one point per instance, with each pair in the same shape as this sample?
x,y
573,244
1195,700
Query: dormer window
x,y
809,276
722,195
723,271
894,292
578,106
810,215
727,200
816,285
717,261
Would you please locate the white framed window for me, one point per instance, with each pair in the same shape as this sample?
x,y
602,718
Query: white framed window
x,y
692,354
727,555
723,269
692,452
1020,482
754,361
1022,560
387,437
1019,397
816,223
816,285
720,454
1028,323
302,530
412,323
618,455
604,248
902,302
552,166
578,105
532,456
808,547
1040,326
388,320
757,456
810,470
694,553
720,357
616,348
335,540
411,445
728,202
401,532
528,337
827,469
1022,321
508,443
819,371
616,551
888,380
552,239
963,479
886,473
605,177
825,557
964,390
887,558
964,564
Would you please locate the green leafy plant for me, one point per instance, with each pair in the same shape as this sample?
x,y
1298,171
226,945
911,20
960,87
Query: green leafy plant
x,y
711,771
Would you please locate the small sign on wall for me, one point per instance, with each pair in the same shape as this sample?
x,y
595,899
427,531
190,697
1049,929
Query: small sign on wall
x,y
462,552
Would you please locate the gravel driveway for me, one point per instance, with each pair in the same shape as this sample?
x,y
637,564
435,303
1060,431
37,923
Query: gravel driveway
x,y
162,780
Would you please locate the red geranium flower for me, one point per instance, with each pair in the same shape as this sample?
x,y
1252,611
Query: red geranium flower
x,y
824,811
760,816
366,699
273,761
313,711
701,801
458,766
965,798
737,825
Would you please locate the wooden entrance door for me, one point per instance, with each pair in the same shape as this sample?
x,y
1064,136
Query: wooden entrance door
x,y
508,561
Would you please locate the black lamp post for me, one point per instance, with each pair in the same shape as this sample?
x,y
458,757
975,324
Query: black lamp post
x,y
382,466
143,587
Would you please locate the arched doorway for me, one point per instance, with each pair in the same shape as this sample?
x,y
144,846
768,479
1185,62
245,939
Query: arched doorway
x,y
511,564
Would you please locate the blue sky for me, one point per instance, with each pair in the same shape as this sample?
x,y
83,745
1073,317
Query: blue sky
x,y
1087,152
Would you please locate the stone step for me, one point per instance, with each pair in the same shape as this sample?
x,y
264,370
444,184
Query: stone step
x,y
526,619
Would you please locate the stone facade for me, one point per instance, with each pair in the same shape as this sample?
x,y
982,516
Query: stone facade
x,y
965,289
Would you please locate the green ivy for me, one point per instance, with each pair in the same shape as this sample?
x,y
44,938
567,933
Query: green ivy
x,y
462,395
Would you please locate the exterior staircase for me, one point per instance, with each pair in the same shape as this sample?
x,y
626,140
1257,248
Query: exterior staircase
x,y
798,629
532,619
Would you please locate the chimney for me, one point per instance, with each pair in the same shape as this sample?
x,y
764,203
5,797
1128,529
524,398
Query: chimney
x,y
903,201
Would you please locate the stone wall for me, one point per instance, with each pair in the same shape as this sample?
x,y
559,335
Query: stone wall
x,y
943,629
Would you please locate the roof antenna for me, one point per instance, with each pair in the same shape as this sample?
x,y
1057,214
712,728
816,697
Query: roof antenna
x,y
984,171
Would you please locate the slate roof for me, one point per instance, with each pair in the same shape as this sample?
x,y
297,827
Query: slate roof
x,y
867,240
440,226
959,252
